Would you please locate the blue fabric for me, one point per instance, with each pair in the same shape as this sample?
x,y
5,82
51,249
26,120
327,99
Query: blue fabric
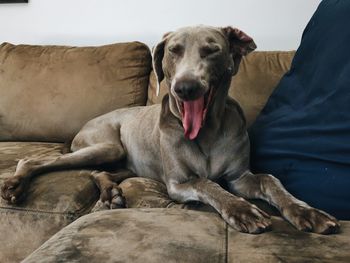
x,y
302,135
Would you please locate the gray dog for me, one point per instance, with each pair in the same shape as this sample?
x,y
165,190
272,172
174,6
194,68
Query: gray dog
x,y
196,137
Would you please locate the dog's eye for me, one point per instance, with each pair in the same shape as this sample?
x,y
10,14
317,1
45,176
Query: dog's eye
x,y
176,49
209,50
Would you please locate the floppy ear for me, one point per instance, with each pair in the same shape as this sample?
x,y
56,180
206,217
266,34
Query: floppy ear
x,y
240,44
158,54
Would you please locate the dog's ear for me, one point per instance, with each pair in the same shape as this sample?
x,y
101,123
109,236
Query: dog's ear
x,y
158,54
240,44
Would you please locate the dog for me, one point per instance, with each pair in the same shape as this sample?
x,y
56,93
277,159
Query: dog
x,y
196,137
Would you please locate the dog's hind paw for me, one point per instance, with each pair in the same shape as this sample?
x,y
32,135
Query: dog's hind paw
x,y
13,189
111,198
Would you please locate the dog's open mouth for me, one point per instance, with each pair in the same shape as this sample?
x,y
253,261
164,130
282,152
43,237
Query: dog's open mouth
x,y
194,113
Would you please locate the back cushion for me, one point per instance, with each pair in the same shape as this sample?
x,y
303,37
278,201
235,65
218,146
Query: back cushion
x,y
258,75
48,92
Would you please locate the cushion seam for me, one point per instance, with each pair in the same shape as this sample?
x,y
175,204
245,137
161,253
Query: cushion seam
x,y
226,242
70,216
77,213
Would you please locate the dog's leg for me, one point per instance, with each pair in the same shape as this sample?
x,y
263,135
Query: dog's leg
x,y
298,213
237,212
111,196
13,188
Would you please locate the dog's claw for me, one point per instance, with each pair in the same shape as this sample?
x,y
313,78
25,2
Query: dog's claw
x,y
244,228
118,202
261,225
330,223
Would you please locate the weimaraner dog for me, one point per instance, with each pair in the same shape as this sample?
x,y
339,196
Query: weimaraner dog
x,y
196,137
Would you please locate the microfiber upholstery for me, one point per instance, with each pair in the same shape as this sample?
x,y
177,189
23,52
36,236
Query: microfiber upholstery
x,y
302,135
53,200
177,235
48,92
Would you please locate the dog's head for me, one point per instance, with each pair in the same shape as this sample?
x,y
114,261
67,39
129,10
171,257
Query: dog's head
x,y
197,64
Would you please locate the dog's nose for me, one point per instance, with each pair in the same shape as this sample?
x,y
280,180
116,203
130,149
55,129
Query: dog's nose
x,y
187,89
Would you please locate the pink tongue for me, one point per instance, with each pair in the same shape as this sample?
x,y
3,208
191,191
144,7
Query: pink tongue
x,y
192,117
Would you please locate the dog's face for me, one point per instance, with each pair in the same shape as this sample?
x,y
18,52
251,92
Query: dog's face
x,y
195,61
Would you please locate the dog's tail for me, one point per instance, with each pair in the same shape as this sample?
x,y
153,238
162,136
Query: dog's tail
x,y
66,147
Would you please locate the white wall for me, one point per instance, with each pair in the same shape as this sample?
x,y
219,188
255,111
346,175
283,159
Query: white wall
x,y
274,24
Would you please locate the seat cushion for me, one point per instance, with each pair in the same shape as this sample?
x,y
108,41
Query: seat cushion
x,y
302,136
138,235
258,75
48,92
177,235
52,201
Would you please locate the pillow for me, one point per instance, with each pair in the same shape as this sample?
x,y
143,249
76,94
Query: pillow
x,y
48,92
302,136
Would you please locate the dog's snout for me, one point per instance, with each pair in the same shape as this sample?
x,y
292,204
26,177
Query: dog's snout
x,y
188,89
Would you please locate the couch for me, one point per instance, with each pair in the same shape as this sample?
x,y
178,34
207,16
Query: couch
x,y
47,93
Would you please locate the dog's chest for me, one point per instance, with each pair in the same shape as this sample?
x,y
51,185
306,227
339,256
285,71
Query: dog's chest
x,y
227,156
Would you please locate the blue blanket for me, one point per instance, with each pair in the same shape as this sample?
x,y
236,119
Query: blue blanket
x,y
302,135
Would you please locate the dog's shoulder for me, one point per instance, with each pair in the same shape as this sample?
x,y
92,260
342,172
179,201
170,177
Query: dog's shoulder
x,y
165,110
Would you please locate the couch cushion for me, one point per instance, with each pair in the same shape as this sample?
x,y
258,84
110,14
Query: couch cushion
x,y
24,231
176,235
286,244
48,92
53,201
138,235
258,75
145,193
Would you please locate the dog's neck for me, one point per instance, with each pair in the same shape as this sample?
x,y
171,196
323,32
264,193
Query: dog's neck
x,y
216,112
173,107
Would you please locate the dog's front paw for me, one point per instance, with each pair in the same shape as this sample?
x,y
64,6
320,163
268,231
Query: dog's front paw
x,y
111,198
306,218
13,189
246,218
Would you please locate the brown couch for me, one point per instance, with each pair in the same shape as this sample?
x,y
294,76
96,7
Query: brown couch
x,y
47,93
